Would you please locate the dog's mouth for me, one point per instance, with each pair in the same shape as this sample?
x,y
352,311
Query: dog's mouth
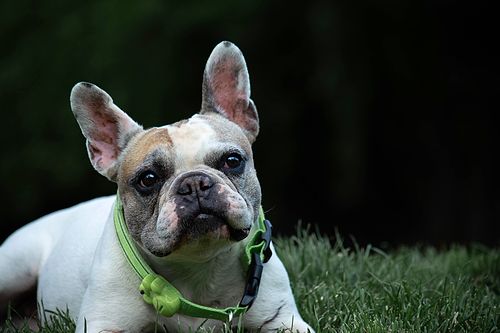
x,y
208,218
205,223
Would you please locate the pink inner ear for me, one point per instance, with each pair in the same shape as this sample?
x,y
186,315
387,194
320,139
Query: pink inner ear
x,y
103,142
225,88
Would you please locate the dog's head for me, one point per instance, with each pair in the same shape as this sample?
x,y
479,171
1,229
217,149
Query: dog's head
x,y
189,186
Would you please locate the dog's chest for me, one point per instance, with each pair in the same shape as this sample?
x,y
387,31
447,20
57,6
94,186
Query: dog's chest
x,y
215,283
222,292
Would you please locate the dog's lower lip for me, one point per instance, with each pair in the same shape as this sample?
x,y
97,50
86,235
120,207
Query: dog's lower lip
x,y
209,219
234,234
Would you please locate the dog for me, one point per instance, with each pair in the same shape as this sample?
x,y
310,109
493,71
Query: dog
x,y
190,199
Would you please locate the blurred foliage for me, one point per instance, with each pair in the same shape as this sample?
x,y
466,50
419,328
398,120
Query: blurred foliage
x,y
374,115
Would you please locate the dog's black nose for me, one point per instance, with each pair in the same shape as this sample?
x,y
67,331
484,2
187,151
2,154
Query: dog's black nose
x,y
195,184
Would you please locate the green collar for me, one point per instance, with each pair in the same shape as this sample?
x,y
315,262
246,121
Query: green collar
x,y
167,300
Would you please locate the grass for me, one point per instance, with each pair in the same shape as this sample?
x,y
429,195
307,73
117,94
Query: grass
x,y
407,290
60,322
416,289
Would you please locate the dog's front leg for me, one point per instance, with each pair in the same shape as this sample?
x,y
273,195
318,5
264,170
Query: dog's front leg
x,y
112,302
274,308
113,307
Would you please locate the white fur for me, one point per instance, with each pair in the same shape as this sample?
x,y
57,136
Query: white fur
x,y
191,142
80,266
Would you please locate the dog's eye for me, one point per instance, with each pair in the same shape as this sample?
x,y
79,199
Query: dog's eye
x,y
233,161
148,179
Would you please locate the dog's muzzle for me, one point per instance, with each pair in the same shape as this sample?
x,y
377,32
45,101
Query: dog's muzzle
x,y
202,205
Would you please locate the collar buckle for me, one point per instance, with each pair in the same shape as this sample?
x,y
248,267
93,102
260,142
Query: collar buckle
x,y
267,238
258,258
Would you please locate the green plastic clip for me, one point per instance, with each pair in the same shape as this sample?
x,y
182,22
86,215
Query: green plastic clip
x,y
160,294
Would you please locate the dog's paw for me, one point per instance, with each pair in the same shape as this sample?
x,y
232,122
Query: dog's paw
x,y
294,326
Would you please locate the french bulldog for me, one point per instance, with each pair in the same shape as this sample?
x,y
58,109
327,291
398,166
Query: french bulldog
x,y
190,198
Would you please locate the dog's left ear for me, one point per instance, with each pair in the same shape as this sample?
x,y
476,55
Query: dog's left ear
x,y
106,128
226,89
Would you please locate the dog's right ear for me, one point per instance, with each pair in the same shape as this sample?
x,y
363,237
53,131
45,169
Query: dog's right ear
x,y
226,89
106,128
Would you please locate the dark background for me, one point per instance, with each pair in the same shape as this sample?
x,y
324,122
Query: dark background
x,y
379,118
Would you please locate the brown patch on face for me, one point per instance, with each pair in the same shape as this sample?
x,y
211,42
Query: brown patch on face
x,y
142,146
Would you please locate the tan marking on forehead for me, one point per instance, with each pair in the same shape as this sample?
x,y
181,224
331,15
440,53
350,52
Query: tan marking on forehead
x,y
143,145
191,141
